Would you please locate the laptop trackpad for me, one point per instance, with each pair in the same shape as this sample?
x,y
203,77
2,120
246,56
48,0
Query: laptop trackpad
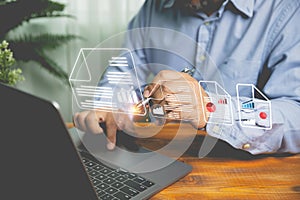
x,y
140,161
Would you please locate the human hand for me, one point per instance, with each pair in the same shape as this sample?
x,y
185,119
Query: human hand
x,y
178,93
88,121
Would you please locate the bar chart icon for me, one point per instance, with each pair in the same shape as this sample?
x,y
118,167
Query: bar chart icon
x,y
217,106
254,107
248,105
223,101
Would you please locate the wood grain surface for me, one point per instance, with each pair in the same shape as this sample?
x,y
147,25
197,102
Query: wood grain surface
x,y
227,173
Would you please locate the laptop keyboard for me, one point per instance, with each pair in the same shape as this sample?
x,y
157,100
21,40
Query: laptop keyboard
x,y
115,184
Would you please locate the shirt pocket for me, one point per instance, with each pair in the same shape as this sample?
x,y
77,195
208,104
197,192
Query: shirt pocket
x,y
234,71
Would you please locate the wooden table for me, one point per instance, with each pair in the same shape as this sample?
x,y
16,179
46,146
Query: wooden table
x,y
227,173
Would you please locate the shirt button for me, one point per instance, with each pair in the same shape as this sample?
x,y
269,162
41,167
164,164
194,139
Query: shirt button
x,y
246,146
202,58
206,23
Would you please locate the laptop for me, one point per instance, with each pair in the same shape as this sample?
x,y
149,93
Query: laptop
x,y
39,159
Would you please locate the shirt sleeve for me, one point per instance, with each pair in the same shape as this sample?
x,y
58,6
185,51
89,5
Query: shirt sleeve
x,y
283,89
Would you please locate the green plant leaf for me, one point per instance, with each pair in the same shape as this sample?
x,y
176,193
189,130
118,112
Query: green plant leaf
x,y
52,67
8,75
29,47
26,52
43,41
52,16
17,12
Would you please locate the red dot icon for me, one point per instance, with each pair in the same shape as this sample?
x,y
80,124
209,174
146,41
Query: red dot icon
x,y
263,115
210,107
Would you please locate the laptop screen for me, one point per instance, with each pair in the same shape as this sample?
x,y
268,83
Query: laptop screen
x,y
38,159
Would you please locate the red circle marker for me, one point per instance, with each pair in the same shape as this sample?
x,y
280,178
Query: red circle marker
x,y
210,107
263,115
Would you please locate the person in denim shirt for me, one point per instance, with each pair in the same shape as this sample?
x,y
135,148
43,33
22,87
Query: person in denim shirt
x,y
251,42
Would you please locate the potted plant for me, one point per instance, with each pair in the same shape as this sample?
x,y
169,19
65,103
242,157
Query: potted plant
x,y
28,46
8,74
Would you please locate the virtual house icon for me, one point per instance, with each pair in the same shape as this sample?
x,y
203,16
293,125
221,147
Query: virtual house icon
x,y
105,79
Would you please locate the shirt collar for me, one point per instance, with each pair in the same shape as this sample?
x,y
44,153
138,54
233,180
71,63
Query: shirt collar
x,y
168,3
245,6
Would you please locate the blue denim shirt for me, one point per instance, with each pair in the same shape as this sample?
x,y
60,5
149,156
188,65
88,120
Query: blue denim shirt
x,y
246,41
